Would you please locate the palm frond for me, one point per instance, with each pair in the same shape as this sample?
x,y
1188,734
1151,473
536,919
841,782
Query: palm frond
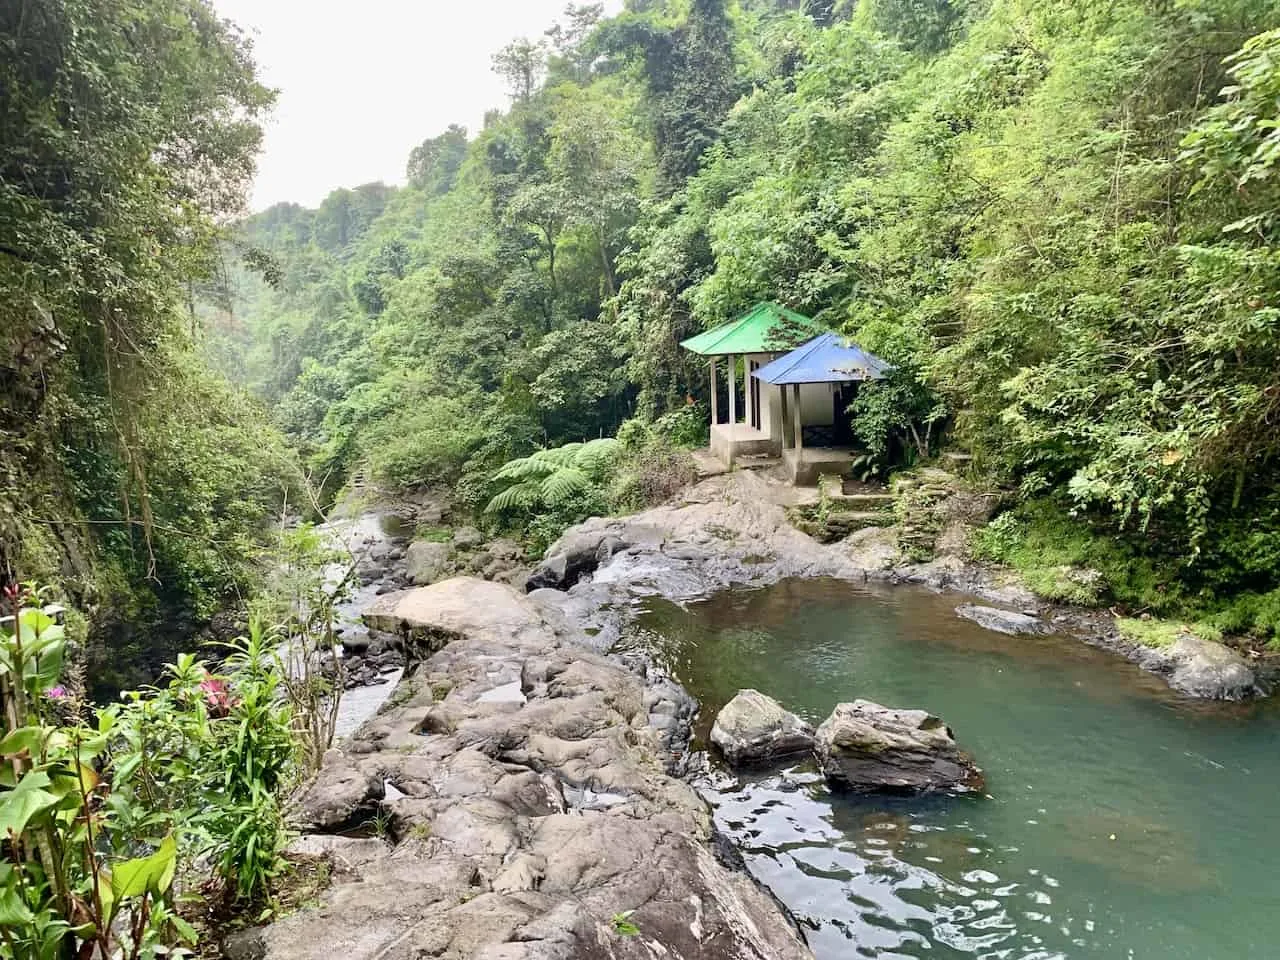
x,y
596,457
560,456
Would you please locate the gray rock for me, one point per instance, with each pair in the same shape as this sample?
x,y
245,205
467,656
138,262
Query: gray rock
x,y
530,807
426,562
246,944
1002,621
467,538
575,555
754,728
1201,668
870,748
349,853
339,794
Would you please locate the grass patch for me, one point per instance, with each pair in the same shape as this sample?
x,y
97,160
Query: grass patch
x,y
1164,633
433,534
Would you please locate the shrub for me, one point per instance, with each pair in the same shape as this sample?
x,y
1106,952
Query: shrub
x,y
67,885
211,753
1163,633
651,475
553,480
1054,552
687,426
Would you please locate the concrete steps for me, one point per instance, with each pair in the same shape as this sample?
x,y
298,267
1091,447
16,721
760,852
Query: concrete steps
x,y
865,501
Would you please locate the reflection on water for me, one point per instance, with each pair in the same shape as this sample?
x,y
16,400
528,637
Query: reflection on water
x,y
1122,819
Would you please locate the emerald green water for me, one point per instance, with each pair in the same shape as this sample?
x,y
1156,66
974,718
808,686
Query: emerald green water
x,y
1123,821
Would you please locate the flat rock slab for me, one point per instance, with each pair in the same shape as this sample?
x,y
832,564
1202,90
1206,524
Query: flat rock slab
x,y
869,748
1002,621
528,806
754,729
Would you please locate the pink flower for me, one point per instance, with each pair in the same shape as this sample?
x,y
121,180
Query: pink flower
x,y
217,695
57,693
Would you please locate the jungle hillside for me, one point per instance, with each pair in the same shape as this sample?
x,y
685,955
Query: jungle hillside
x,y
1056,219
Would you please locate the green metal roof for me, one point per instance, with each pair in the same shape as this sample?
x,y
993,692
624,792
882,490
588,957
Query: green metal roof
x,y
765,328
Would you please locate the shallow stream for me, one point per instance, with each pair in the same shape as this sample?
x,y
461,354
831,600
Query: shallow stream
x,y
1122,820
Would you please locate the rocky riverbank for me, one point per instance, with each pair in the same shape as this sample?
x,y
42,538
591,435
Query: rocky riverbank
x,y
519,787
733,530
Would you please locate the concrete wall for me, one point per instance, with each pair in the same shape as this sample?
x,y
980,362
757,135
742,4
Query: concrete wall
x,y
817,405
770,418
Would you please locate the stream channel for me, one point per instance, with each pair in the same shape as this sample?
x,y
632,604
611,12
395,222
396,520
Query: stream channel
x,y
1121,820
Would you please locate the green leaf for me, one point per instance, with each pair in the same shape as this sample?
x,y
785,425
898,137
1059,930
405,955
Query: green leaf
x,y
152,874
13,911
23,742
25,801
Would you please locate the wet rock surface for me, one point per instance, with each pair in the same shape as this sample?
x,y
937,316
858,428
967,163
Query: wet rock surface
x,y
869,748
754,729
523,778
1002,621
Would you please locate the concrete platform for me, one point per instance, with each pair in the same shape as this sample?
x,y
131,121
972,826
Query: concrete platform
x,y
732,441
805,466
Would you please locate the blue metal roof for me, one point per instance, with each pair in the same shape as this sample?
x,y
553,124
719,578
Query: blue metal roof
x,y
829,358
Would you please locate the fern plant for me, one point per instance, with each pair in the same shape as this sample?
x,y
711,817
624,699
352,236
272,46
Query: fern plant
x,y
549,479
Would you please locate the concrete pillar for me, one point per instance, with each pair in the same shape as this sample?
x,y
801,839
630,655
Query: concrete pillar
x,y
715,403
795,396
783,418
733,390
733,403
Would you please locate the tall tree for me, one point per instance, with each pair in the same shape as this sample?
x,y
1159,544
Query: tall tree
x,y
522,64
434,164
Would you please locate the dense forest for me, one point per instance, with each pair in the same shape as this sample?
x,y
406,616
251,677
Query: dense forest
x,y
132,476
1057,219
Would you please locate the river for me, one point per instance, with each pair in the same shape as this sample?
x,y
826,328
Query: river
x,y
1121,821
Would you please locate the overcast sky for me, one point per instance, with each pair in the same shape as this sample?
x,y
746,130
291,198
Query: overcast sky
x,y
362,83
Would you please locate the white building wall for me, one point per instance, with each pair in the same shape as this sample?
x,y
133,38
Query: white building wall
x,y
817,404
770,416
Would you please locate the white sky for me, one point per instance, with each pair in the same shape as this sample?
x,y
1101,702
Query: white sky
x,y
362,83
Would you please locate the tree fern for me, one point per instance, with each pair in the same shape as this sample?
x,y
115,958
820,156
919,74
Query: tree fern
x,y
554,477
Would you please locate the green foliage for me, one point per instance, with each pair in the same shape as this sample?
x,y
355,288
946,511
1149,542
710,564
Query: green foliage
x,y
1162,633
1055,219
127,136
622,924
651,473
213,754
551,480
1054,552
686,426
71,882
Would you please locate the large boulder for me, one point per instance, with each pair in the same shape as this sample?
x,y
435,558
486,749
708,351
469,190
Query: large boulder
x,y
426,561
870,748
575,555
339,795
754,728
1002,621
1200,668
468,538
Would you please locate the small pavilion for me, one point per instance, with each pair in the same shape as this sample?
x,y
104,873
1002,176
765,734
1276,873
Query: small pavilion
x,y
815,385
761,335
